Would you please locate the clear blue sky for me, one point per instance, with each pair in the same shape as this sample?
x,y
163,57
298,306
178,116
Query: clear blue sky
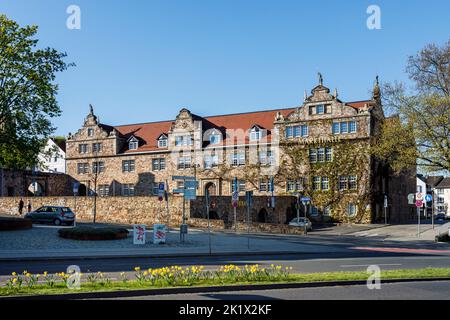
x,y
140,61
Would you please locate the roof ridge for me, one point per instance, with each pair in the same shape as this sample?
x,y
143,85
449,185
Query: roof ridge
x,y
222,115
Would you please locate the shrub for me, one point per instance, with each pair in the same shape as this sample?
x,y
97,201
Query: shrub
x,y
443,237
93,233
13,223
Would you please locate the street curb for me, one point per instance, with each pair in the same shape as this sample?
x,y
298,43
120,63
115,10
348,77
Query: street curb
x,y
169,255
210,289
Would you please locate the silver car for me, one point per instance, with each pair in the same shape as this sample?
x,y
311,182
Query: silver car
x,y
52,214
300,222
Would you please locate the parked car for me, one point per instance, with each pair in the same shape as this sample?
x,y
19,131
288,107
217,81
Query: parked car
x,y
300,222
440,217
52,214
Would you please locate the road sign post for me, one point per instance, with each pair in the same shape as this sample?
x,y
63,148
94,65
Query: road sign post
x,y
429,198
189,193
235,205
305,201
385,208
419,204
249,197
207,214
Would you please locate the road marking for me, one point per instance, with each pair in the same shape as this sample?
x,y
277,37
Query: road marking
x,y
366,265
400,250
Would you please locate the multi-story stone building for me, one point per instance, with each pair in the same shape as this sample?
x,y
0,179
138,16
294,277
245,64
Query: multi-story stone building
x,y
302,148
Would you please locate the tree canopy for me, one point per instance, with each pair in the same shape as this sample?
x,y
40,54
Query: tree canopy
x,y
27,94
419,132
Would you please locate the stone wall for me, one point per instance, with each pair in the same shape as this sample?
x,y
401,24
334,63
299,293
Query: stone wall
x,y
126,210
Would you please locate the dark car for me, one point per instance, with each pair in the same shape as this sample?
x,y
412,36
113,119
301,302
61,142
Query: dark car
x,y
52,214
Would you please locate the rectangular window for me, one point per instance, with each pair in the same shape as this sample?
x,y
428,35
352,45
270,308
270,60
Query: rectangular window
x,y
103,190
305,131
238,159
264,185
297,131
83,168
83,148
211,161
320,109
342,183
328,154
316,183
325,183
321,154
128,190
289,133
128,166
98,167
184,163
241,186
313,211
183,140
440,191
312,155
352,183
344,127
97,147
352,126
336,128
90,132
440,200
162,143
327,211
158,164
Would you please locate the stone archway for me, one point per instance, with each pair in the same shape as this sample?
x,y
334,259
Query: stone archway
x,y
212,189
262,215
35,189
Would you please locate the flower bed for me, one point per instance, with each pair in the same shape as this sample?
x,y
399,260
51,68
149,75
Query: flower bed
x,y
93,233
13,223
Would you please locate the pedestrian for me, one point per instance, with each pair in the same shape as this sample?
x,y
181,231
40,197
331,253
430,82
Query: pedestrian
x,y
29,205
21,206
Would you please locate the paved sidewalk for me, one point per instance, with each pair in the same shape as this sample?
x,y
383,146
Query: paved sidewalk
x,y
43,242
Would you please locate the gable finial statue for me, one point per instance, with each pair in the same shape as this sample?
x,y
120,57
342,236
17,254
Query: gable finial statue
x,y
91,109
320,78
305,96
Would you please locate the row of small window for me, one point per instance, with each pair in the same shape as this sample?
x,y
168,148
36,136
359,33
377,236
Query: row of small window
x,y
352,210
97,167
127,190
321,154
297,131
342,127
322,183
84,148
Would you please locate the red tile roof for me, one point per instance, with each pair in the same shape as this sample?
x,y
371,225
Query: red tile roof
x,y
148,133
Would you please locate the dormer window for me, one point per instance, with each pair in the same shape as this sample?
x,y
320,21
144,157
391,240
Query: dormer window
x,y
90,132
214,137
255,133
133,144
162,141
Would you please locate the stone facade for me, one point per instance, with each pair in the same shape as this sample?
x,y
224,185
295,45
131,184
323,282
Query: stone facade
x,y
134,159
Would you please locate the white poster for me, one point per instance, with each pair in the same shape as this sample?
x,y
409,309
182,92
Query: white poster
x,y
139,233
159,233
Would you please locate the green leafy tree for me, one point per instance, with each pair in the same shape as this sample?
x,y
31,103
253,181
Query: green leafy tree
x,y
419,133
27,94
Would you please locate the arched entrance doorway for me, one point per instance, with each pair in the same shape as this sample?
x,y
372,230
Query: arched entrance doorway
x,y
262,215
211,188
82,190
35,189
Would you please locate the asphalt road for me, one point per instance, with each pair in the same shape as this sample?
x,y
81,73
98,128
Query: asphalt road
x,y
433,290
301,263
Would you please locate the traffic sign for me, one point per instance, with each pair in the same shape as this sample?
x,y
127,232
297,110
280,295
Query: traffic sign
x,y
428,198
249,198
411,198
419,196
305,199
419,203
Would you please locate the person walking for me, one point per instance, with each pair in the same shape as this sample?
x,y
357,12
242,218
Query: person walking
x,y
29,205
21,206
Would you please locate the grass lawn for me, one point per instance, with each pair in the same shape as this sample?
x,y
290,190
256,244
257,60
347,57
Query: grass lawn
x,y
230,279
